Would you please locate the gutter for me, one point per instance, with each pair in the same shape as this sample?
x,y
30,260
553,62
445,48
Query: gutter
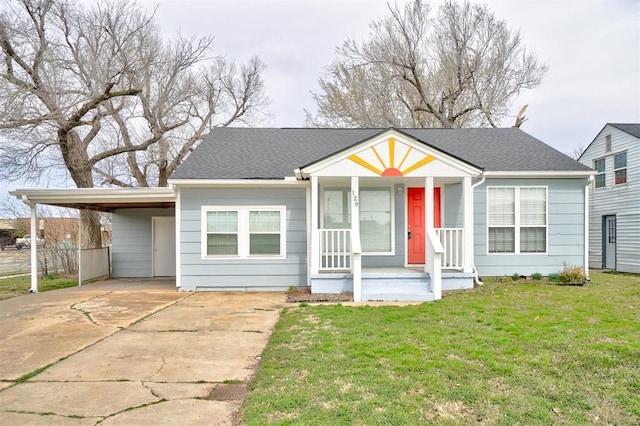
x,y
476,278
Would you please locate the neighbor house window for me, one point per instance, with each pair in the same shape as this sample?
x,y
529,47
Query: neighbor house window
x,y
243,232
376,223
620,168
517,219
600,180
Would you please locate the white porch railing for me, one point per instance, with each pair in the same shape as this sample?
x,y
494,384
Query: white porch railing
x,y
433,263
335,249
452,240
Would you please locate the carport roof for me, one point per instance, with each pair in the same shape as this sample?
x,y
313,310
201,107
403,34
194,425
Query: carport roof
x,y
100,199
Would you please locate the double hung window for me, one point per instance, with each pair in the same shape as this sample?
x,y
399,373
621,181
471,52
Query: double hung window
x,y
600,166
517,219
243,232
620,168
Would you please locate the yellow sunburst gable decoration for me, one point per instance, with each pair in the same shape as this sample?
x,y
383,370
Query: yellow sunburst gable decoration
x,y
389,167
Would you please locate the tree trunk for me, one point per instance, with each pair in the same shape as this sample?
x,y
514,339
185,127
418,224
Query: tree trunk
x,y
77,161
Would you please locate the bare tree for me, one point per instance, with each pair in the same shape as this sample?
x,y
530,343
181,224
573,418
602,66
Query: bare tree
x,y
577,151
459,67
92,88
180,106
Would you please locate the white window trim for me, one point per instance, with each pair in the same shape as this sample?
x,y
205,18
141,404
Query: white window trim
x,y
604,173
243,231
364,188
517,221
620,168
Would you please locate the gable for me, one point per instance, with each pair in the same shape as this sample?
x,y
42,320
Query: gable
x,y
391,154
622,137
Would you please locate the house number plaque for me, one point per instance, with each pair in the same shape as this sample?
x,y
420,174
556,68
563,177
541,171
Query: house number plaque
x,y
354,196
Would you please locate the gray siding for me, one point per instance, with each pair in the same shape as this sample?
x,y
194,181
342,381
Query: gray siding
x,y
132,239
242,274
565,233
615,200
453,206
628,242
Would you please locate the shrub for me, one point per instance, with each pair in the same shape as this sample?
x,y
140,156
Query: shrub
x,y
537,276
553,278
572,275
515,276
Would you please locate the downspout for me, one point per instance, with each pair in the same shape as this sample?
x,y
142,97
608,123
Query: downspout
x,y
476,278
586,226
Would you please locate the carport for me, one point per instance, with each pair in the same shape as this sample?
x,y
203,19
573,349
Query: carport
x,y
98,199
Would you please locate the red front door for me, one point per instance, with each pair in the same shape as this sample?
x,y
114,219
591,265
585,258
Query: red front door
x,y
415,225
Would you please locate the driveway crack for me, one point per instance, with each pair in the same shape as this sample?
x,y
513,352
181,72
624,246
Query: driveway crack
x,y
157,372
87,313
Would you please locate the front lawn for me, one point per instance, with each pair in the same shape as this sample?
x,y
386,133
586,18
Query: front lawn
x,y
16,286
505,353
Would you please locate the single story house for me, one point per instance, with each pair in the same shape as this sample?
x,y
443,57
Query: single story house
x,y
388,214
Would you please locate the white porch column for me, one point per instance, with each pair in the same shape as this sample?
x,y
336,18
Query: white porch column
x,y
34,249
428,218
467,254
314,261
356,267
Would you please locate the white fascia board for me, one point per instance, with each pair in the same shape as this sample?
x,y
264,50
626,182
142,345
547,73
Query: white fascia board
x,y
95,195
186,183
543,174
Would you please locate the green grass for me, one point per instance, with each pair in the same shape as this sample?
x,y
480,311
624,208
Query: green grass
x,y
16,286
505,353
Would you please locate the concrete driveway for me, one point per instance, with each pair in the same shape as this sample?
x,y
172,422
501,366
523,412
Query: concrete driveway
x,y
130,352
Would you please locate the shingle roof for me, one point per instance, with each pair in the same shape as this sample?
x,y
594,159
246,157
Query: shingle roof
x,y
631,128
269,153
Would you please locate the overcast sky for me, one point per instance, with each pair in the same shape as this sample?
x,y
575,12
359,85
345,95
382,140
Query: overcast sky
x,y
592,49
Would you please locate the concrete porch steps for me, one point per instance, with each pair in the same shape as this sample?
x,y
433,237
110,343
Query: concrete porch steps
x,y
403,285
390,284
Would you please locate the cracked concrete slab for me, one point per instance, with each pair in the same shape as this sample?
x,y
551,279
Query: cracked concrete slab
x,y
164,356
48,320
76,398
134,352
27,419
172,390
181,411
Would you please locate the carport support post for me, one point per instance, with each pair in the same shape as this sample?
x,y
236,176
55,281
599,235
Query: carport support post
x,y
34,247
80,249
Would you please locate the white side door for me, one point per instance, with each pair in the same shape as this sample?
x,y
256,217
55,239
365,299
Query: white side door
x,y
164,246
610,242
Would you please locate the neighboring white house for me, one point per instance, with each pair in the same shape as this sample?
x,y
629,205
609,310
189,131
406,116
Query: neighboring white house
x,y
388,214
614,203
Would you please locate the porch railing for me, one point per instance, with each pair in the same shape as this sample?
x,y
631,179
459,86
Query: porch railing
x,y
433,263
335,249
452,240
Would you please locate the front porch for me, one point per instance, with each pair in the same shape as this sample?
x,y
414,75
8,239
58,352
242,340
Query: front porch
x,y
390,218
344,260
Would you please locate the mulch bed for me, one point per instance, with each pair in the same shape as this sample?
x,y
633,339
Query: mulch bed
x,y
300,295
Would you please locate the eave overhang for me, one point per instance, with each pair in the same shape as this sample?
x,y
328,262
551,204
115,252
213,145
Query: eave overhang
x,y
99,199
